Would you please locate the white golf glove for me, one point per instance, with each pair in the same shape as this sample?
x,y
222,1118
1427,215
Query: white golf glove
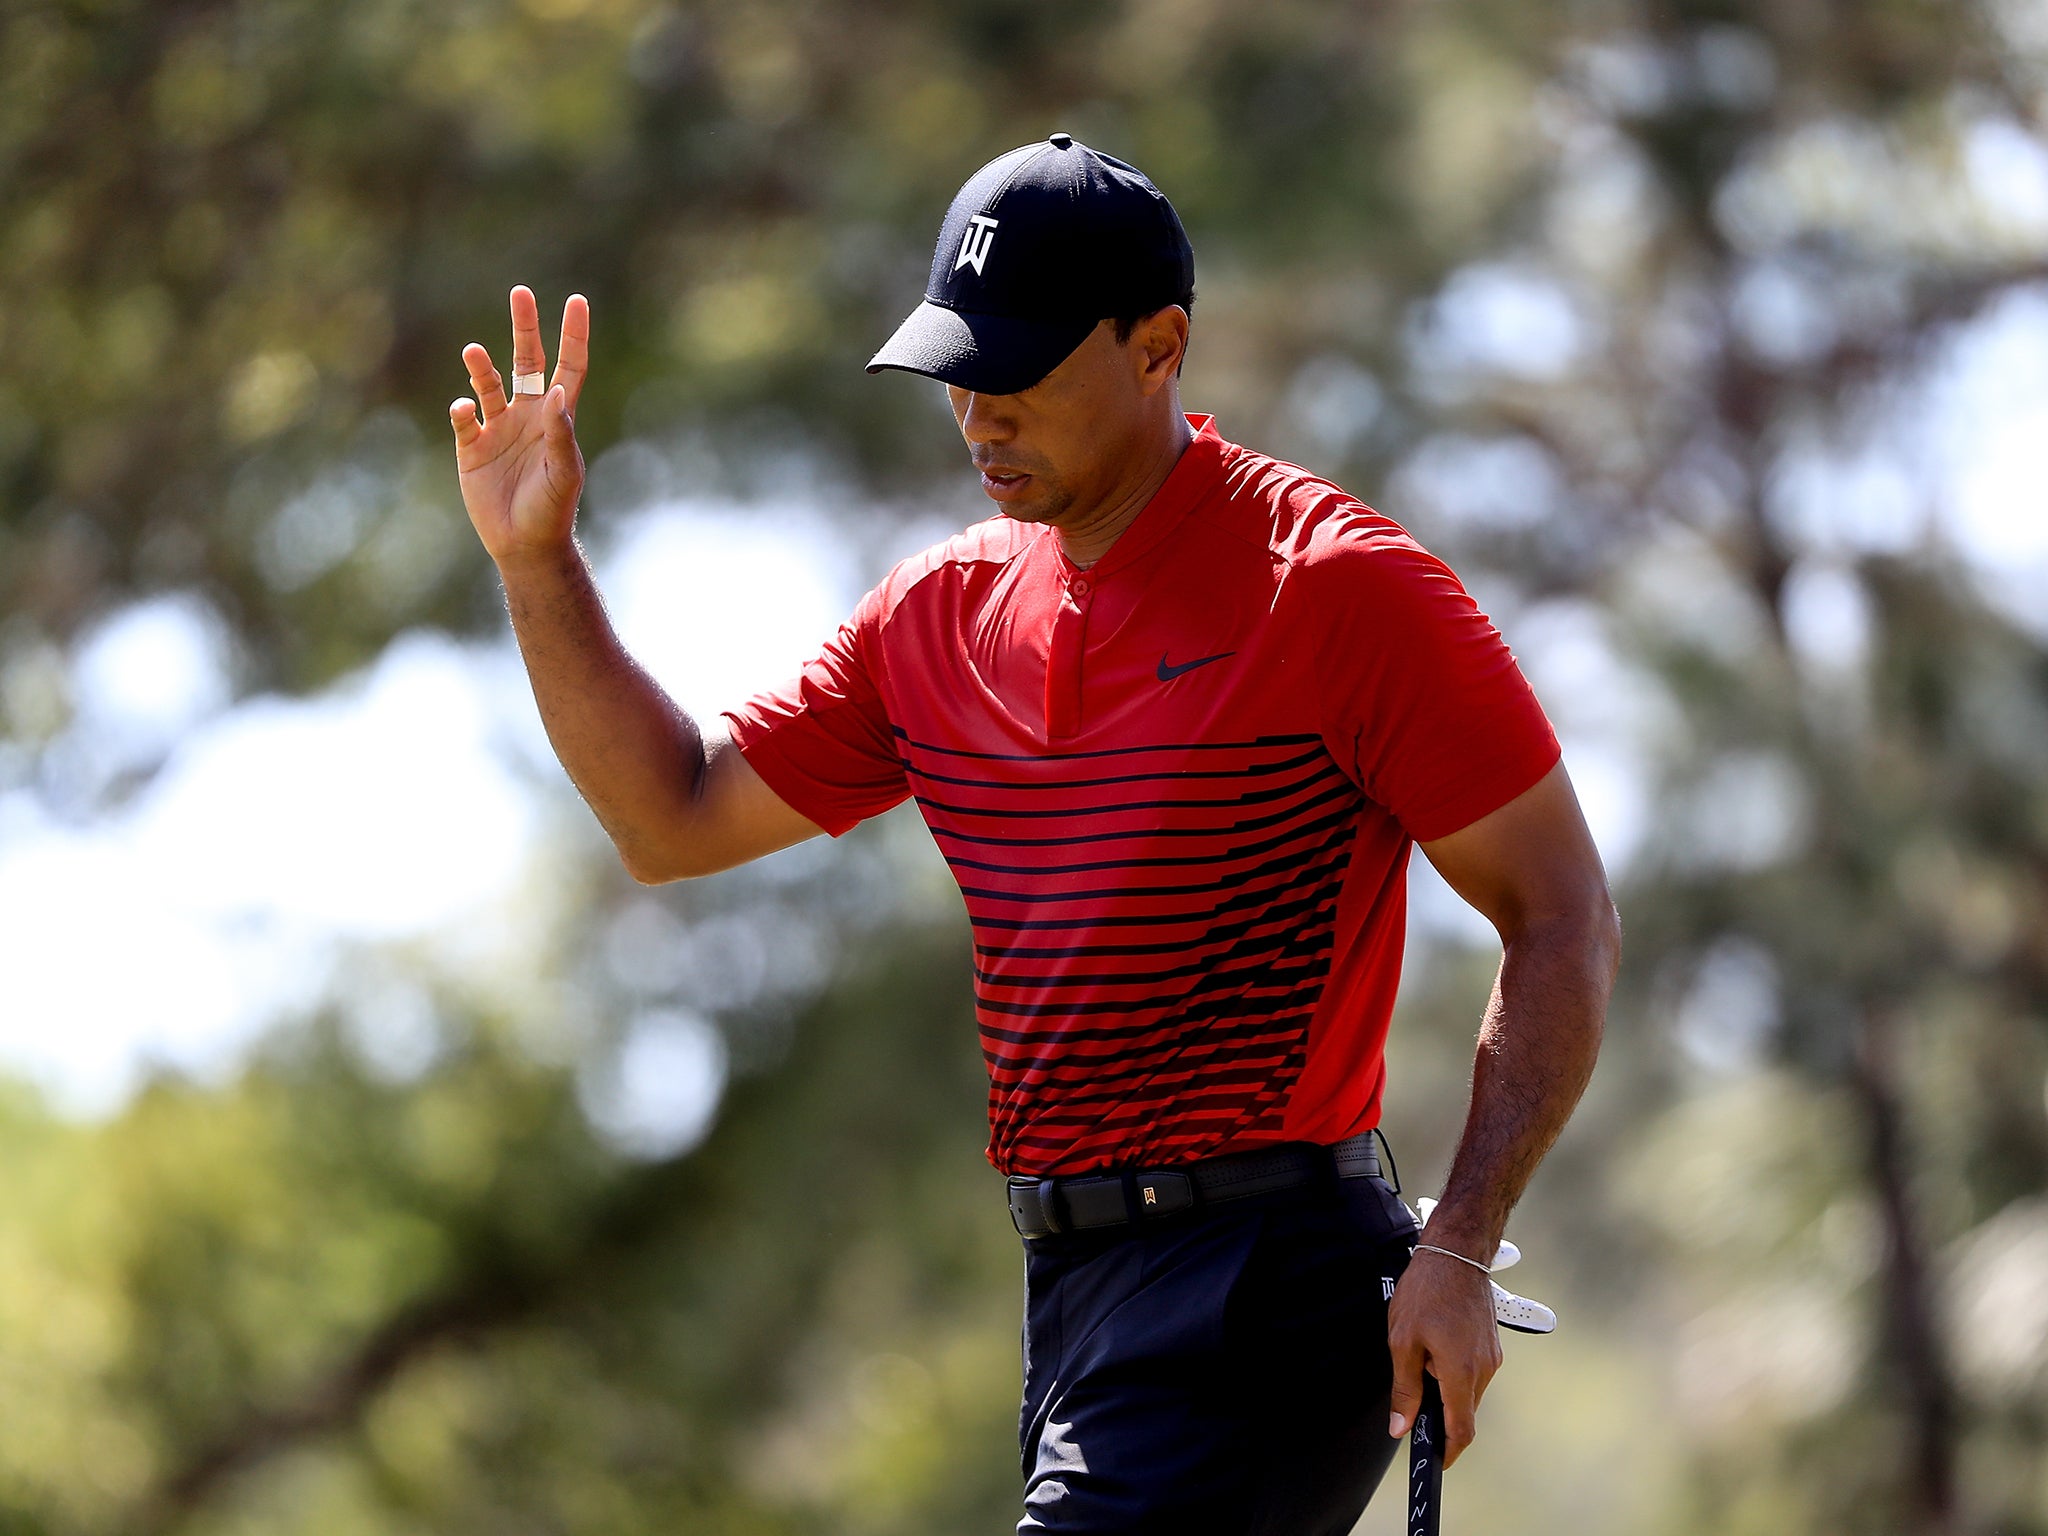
x,y
1509,1310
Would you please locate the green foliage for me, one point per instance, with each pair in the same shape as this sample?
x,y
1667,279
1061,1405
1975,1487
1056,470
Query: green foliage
x,y
312,1300
1791,1229
239,235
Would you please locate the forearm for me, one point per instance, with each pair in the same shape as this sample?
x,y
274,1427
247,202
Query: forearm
x,y
1537,1046
635,756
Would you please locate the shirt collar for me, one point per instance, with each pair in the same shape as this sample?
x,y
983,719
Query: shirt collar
x,y
1193,476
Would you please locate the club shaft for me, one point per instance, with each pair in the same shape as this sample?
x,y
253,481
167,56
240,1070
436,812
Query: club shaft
x,y
1426,1462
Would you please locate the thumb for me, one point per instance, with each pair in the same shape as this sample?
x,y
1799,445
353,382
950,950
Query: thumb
x,y
1407,1394
561,463
561,429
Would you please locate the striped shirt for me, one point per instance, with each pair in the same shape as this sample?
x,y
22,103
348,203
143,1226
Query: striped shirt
x,y
1178,789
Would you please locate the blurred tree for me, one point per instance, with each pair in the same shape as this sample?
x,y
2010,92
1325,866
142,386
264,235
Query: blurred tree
x,y
1599,295
318,1300
241,234
1843,868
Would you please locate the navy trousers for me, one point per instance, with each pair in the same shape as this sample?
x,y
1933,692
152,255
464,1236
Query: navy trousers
x,y
1215,1373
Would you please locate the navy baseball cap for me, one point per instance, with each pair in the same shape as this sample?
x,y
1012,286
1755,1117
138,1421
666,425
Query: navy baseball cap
x,y
1040,246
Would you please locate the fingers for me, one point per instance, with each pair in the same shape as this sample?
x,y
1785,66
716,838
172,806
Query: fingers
x,y
1461,1413
483,378
462,417
528,355
572,358
1463,1382
1407,1395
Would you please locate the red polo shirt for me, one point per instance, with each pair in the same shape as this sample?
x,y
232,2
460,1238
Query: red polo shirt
x,y
1178,789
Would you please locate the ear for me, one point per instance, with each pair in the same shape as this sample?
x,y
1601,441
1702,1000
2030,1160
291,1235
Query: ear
x,y
1158,344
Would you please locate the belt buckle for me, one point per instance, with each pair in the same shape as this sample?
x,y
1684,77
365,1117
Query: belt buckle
x,y
1048,1204
1162,1191
1045,1192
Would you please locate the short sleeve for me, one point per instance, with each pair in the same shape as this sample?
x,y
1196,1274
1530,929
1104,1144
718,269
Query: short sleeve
x,y
1422,702
822,741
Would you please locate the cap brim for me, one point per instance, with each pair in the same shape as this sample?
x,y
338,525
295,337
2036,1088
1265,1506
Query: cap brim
x,y
989,354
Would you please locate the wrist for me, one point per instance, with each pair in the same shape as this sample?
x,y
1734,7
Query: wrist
x,y
1458,1226
1452,1255
537,564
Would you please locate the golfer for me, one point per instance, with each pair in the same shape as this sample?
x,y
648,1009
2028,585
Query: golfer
x,y
1175,716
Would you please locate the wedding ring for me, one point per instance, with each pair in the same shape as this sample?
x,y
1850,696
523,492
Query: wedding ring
x,y
529,384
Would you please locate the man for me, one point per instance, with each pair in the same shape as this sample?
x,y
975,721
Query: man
x,y
1175,718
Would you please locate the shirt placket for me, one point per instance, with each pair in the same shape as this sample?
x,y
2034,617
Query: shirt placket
x,y
1063,659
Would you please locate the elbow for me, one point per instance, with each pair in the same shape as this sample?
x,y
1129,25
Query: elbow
x,y
1598,937
1606,928
659,866
1583,929
650,874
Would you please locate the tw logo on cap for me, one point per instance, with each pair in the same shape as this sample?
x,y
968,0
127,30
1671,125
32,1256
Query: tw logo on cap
x,y
981,234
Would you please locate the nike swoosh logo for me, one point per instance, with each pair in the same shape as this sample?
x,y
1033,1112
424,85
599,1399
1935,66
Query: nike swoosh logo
x,y
1167,674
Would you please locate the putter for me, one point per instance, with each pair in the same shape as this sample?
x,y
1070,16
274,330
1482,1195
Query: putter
x,y
1426,1462
1426,1435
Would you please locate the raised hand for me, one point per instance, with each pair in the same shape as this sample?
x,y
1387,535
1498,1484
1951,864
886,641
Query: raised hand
x,y
520,468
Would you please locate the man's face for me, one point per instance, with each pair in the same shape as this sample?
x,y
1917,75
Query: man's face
x,y
1063,442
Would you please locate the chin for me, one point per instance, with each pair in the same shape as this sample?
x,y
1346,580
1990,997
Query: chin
x,y
1044,508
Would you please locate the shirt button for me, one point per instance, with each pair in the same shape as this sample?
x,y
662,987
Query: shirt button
x,y
1080,586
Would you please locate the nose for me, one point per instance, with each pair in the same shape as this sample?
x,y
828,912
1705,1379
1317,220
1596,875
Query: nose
x,y
981,417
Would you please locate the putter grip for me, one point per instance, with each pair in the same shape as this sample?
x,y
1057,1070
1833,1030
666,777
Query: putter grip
x,y
1426,1462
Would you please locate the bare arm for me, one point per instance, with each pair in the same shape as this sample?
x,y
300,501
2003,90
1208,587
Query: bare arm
x,y
1532,869
674,802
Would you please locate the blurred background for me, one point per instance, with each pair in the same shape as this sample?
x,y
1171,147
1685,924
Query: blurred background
x,y
376,1156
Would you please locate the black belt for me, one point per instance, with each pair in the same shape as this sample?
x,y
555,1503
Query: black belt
x,y
1075,1202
